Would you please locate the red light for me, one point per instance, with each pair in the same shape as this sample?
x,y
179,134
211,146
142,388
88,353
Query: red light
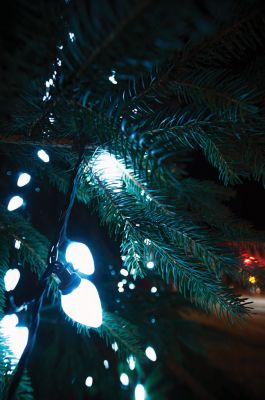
x,y
247,261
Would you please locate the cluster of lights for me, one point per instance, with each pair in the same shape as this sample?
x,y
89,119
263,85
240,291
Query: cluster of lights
x,y
16,337
23,179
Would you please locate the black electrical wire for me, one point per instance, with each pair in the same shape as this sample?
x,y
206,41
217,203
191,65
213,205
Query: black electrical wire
x,y
53,255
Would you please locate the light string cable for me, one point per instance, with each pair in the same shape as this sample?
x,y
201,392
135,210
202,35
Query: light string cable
x,y
43,283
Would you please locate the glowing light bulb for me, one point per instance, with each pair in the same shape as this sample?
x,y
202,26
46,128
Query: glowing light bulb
x,y
83,304
14,203
43,156
131,362
124,272
17,244
115,346
106,364
150,264
16,338
139,392
89,381
131,286
153,289
112,78
11,279
80,256
23,179
109,168
124,379
252,280
150,353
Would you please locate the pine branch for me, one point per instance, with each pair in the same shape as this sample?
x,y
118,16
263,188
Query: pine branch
x,y
117,329
34,246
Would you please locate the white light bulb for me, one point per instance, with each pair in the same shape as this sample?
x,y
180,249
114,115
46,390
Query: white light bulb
x,y
115,346
109,168
17,244
83,304
89,381
80,256
106,364
131,286
139,392
150,264
153,289
131,362
11,279
23,179
124,379
43,156
124,272
150,353
16,338
14,203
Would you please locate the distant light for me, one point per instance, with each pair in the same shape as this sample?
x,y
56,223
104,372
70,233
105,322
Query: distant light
x,y
71,36
115,346
11,279
14,203
80,256
89,381
252,279
150,353
153,289
153,320
131,286
139,392
247,261
43,156
124,272
150,264
131,362
112,78
23,179
121,289
120,284
106,364
124,379
17,244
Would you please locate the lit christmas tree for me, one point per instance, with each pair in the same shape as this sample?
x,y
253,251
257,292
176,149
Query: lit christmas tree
x,y
115,113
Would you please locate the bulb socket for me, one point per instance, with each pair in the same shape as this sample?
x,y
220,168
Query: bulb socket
x,y
69,279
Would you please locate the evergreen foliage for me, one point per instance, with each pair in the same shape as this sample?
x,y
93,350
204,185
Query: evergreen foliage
x,y
143,87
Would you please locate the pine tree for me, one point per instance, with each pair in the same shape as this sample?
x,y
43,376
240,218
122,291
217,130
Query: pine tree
x,y
143,87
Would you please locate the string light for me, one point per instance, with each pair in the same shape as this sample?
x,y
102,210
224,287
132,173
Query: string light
x,y
139,392
106,364
16,338
124,272
124,379
43,156
252,279
115,346
14,203
153,289
150,353
131,362
11,279
89,381
80,256
150,264
112,78
17,244
83,304
23,179
131,286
